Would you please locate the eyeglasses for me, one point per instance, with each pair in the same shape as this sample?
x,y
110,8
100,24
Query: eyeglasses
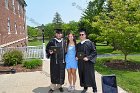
x,y
82,34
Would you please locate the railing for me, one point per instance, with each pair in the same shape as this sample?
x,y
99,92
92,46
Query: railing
x,y
28,52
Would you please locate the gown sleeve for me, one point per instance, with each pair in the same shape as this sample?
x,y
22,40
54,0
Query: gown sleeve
x,y
93,54
50,43
76,47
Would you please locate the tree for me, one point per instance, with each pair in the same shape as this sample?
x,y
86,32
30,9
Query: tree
x,y
72,26
84,24
93,9
120,26
32,32
49,30
66,28
57,21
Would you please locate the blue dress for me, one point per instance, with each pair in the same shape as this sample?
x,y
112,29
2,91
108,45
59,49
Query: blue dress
x,y
71,62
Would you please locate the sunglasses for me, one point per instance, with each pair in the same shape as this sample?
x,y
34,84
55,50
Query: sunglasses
x,y
82,34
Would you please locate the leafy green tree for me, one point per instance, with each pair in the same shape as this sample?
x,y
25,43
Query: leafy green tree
x,y
49,30
66,28
84,24
72,26
57,21
32,32
121,25
93,9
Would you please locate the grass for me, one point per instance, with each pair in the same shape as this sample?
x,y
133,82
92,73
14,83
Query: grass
x,y
101,48
128,80
36,42
32,63
130,57
104,49
39,42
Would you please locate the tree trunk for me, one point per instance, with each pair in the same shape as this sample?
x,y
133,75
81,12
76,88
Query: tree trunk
x,y
107,43
125,57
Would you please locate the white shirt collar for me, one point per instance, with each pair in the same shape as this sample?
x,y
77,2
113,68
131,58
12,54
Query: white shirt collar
x,y
58,40
82,42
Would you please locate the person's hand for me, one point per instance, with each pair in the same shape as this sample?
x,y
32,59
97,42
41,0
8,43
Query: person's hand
x,y
51,52
76,58
85,59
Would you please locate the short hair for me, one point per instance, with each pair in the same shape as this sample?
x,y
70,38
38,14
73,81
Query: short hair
x,y
58,31
83,30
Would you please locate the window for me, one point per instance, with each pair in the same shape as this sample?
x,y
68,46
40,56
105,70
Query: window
x,y
15,27
8,25
24,18
13,4
23,28
21,10
18,9
6,4
20,29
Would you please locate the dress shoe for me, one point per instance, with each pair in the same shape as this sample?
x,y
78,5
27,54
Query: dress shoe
x,y
84,91
50,91
61,89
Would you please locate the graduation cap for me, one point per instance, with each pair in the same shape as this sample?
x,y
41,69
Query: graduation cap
x,y
58,31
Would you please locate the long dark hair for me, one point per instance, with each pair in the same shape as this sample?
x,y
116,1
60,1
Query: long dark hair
x,y
74,40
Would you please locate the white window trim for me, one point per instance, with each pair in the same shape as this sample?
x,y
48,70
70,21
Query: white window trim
x,y
15,25
8,26
13,5
20,29
7,4
18,9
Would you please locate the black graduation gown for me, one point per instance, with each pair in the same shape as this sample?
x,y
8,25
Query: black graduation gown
x,y
86,69
57,63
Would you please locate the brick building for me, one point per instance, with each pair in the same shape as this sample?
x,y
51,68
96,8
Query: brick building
x,y
13,31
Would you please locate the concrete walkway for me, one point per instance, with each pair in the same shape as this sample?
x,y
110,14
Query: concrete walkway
x,y
38,82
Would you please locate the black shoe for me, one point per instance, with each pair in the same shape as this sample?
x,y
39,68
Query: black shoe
x,y
50,91
95,91
61,89
84,91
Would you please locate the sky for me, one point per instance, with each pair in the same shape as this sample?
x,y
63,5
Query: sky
x,y
42,11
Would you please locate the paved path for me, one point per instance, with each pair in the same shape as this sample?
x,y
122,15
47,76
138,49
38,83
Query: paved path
x,y
111,55
38,82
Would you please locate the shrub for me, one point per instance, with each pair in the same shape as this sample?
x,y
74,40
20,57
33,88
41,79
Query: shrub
x,y
33,63
12,57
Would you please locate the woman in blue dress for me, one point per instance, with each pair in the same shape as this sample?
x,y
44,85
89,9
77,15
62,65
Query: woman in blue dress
x,y
71,62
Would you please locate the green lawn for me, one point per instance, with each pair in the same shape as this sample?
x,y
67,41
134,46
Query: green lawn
x,y
36,42
103,49
130,57
128,80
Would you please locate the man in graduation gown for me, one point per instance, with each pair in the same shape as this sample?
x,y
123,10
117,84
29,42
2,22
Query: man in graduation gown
x,y
86,64
57,64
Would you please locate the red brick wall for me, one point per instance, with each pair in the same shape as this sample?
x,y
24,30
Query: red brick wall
x,y
12,38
